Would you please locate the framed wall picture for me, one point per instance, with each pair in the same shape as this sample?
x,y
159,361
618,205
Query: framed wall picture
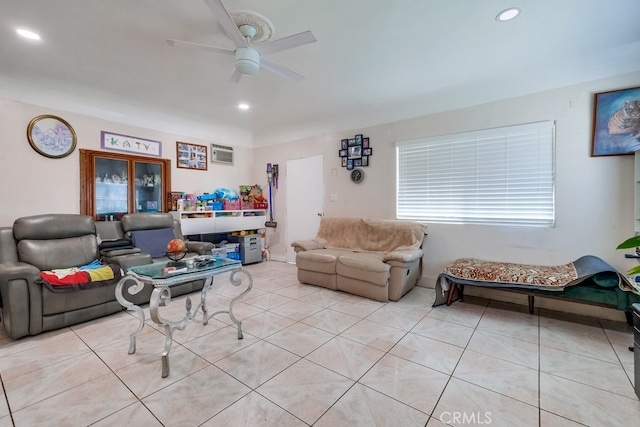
x,y
130,144
191,156
51,136
355,152
616,122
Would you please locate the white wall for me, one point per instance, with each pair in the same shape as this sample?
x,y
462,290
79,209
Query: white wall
x,y
594,196
32,184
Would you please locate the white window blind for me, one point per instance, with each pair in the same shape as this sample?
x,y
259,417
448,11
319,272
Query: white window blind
x,y
496,176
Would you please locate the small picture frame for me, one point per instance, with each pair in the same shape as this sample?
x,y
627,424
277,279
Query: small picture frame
x,y
357,162
615,131
359,139
344,162
365,160
191,156
367,151
342,153
344,144
355,152
51,136
174,196
365,142
349,164
351,142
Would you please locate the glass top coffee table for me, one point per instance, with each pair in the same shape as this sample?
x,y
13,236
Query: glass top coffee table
x,y
162,276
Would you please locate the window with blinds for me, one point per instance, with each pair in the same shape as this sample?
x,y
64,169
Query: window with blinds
x,y
495,176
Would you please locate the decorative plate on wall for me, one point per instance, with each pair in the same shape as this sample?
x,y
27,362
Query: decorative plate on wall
x,y
51,136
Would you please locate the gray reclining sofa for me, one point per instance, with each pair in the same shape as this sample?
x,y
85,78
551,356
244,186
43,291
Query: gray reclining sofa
x,y
60,241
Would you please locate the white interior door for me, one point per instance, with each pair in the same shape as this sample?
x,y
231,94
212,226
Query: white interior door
x,y
305,200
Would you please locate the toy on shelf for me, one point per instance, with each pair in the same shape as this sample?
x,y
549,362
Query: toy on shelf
x,y
251,197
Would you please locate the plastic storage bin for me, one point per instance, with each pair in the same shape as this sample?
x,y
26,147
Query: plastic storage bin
x,y
233,250
231,205
219,252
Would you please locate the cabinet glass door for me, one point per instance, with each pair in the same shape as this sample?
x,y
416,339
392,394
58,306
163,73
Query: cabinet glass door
x,y
148,187
111,188
114,184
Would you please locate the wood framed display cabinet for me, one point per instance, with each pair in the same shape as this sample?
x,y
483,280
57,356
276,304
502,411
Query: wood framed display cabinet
x,y
113,184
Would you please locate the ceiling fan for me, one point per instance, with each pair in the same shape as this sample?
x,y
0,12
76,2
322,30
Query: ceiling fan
x,y
251,33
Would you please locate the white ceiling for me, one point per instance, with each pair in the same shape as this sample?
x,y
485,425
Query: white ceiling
x,y
375,61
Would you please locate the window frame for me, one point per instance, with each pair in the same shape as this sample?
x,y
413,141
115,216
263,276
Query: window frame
x,y
447,199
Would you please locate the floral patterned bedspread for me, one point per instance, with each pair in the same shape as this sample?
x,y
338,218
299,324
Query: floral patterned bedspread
x,y
512,273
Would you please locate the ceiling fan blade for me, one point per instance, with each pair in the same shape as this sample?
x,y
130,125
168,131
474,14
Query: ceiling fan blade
x,y
235,77
189,45
223,17
284,43
278,69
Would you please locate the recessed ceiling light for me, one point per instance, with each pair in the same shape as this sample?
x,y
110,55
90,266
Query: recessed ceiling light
x,y
508,14
243,106
28,34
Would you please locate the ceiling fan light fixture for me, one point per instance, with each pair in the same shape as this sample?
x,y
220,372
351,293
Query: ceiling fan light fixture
x,y
247,61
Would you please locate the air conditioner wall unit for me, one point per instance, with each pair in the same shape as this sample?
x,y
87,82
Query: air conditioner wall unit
x,y
221,154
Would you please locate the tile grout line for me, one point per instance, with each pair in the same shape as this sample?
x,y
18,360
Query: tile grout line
x,y
6,398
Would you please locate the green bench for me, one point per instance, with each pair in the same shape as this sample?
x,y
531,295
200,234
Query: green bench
x,y
588,280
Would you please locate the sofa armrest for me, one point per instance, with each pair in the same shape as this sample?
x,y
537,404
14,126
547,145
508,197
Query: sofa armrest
x,y
306,245
127,261
110,253
18,270
403,256
201,248
20,298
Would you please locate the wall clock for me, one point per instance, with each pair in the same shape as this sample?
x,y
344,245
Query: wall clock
x,y
357,175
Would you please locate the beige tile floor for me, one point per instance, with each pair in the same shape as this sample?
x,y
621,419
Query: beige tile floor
x,y
311,356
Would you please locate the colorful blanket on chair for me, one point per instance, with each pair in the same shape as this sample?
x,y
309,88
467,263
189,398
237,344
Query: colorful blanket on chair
x,y
471,271
89,276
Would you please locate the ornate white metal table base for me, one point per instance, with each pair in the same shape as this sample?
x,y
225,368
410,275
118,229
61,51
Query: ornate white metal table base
x,y
161,297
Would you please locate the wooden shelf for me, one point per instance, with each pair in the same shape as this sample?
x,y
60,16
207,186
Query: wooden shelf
x,y
205,222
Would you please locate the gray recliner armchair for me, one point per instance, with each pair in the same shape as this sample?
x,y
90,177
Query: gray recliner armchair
x,y
46,242
164,228
161,223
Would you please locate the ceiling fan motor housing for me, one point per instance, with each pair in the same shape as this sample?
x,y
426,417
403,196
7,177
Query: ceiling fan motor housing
x,y
247,61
